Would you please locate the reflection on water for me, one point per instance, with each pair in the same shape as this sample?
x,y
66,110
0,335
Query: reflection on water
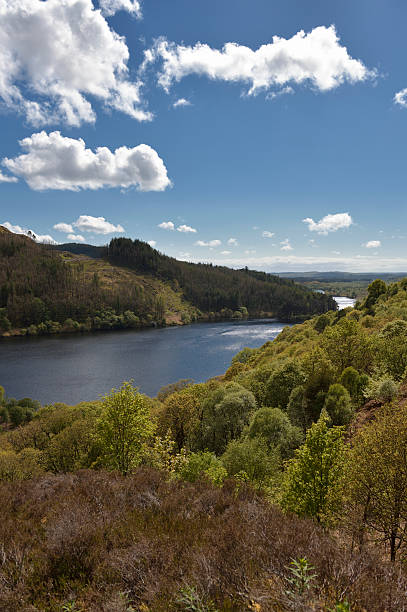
x,y
71,368
344,302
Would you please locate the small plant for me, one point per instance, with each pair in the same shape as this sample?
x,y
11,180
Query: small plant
x,y
70,606
192,602
341,607
302,578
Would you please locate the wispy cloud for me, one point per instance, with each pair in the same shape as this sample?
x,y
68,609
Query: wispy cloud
x,y
181,102
209,243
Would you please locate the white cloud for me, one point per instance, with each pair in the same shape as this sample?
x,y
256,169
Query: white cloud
x,y
16,229
316,57
167,225
186,229
7,179
329,223
63,53
400,98
225,252
181,102
250,252
210,243
76,238
53,161
233,242
267,234
373,244
110,7
66,228
96,225
152,243
285,245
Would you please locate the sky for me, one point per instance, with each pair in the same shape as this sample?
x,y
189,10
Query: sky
x,y
258,133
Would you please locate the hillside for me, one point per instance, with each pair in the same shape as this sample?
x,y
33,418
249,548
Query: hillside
x,y
214,288
280,486
129,284
45,291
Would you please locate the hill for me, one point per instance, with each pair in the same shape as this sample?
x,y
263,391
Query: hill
x,y
129,284
214,288
280,486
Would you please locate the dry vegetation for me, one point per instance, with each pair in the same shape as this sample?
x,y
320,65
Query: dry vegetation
x,y
96,541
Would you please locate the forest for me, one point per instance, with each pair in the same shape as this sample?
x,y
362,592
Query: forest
x,y
128,284
279,486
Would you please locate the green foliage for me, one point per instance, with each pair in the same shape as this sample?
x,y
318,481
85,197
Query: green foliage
x,y
282,382
347,344
203,464
355,383
224,415
123,427
181,414
375,290
380,387
244,355
274,427
338,405
301,579
315,470
20,466
392,348
322,322
190,601
161,455
252,457
303,411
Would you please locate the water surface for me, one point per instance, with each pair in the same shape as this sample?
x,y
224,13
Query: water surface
x,y
75,367
344,302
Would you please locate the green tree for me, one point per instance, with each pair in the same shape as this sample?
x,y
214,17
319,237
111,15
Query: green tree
x,y
347,344
375,290
274,427
203,464
224,415
123,427
338,405
181,414
375,480
303,411
282,382
392,348
252,457
354,383
313,473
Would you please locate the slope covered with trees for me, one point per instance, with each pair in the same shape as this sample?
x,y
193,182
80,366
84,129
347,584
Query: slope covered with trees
x,y
280,486
211,288
129,284
45,291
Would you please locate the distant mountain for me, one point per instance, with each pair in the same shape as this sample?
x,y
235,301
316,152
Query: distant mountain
x,y
343,276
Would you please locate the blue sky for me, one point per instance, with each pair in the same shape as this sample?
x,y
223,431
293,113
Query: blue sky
x,y
307,128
